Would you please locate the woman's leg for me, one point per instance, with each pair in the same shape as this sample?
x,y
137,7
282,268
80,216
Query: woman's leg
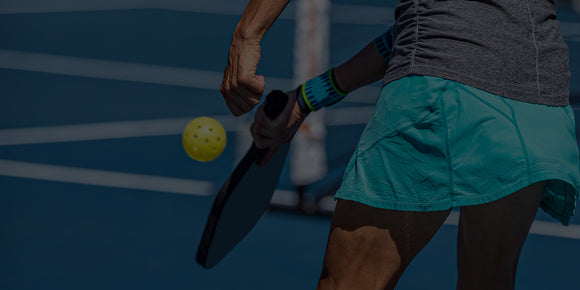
x,y
369,248
491,237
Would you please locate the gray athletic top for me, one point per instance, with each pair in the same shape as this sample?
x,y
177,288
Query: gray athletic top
x,y
512,48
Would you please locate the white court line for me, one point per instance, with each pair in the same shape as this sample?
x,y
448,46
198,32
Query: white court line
x,y
105,178
194,187
118,70
159,127
150,128
122,180
538,228
101,131
102,69
139,72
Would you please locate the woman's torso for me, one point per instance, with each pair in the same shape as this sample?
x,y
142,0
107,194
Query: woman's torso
x,y
510,48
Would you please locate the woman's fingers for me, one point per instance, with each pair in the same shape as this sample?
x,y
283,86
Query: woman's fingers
x,y
242,95
268,133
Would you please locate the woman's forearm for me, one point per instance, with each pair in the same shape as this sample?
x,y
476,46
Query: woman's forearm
x,y
258,16
241,87
365,67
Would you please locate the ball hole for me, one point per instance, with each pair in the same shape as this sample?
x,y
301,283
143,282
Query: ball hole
x,y
210,129
195,136
206,140
199,126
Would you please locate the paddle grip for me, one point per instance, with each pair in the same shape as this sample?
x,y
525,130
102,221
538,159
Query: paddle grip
x,y
275,103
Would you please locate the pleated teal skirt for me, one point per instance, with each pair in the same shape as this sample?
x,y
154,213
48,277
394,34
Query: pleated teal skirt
x,y
434,144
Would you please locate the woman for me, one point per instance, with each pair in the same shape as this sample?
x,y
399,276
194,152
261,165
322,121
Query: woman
x,y
474,113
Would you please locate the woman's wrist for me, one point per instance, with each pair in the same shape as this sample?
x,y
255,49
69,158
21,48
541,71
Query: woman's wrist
x,y
340,81
301,101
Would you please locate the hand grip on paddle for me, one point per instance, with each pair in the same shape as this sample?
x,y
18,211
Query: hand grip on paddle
x,y
275,104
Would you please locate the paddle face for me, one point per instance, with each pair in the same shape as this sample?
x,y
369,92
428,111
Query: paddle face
x,y
244,197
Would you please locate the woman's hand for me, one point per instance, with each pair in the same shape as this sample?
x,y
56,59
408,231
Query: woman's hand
x,y
270,133
241,87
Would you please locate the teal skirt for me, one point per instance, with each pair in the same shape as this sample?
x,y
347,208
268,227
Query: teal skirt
x,y
434,144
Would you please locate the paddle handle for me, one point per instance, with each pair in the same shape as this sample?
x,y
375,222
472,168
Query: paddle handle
x,y
275,103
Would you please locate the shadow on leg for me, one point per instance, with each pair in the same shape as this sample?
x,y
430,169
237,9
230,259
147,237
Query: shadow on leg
x,y
491,237
369,248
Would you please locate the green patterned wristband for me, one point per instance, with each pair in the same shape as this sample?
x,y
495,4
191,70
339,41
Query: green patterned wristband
x,y
321,91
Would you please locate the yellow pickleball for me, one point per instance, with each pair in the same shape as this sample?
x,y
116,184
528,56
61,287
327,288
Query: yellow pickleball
x,y
204,139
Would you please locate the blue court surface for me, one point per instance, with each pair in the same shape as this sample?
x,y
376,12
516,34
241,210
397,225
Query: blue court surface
x,y
97,193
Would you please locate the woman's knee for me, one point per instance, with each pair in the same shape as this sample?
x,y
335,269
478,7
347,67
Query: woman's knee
x,y
364,258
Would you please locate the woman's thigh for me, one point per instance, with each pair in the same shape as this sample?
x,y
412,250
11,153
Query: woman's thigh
x,y
491,237
369,248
